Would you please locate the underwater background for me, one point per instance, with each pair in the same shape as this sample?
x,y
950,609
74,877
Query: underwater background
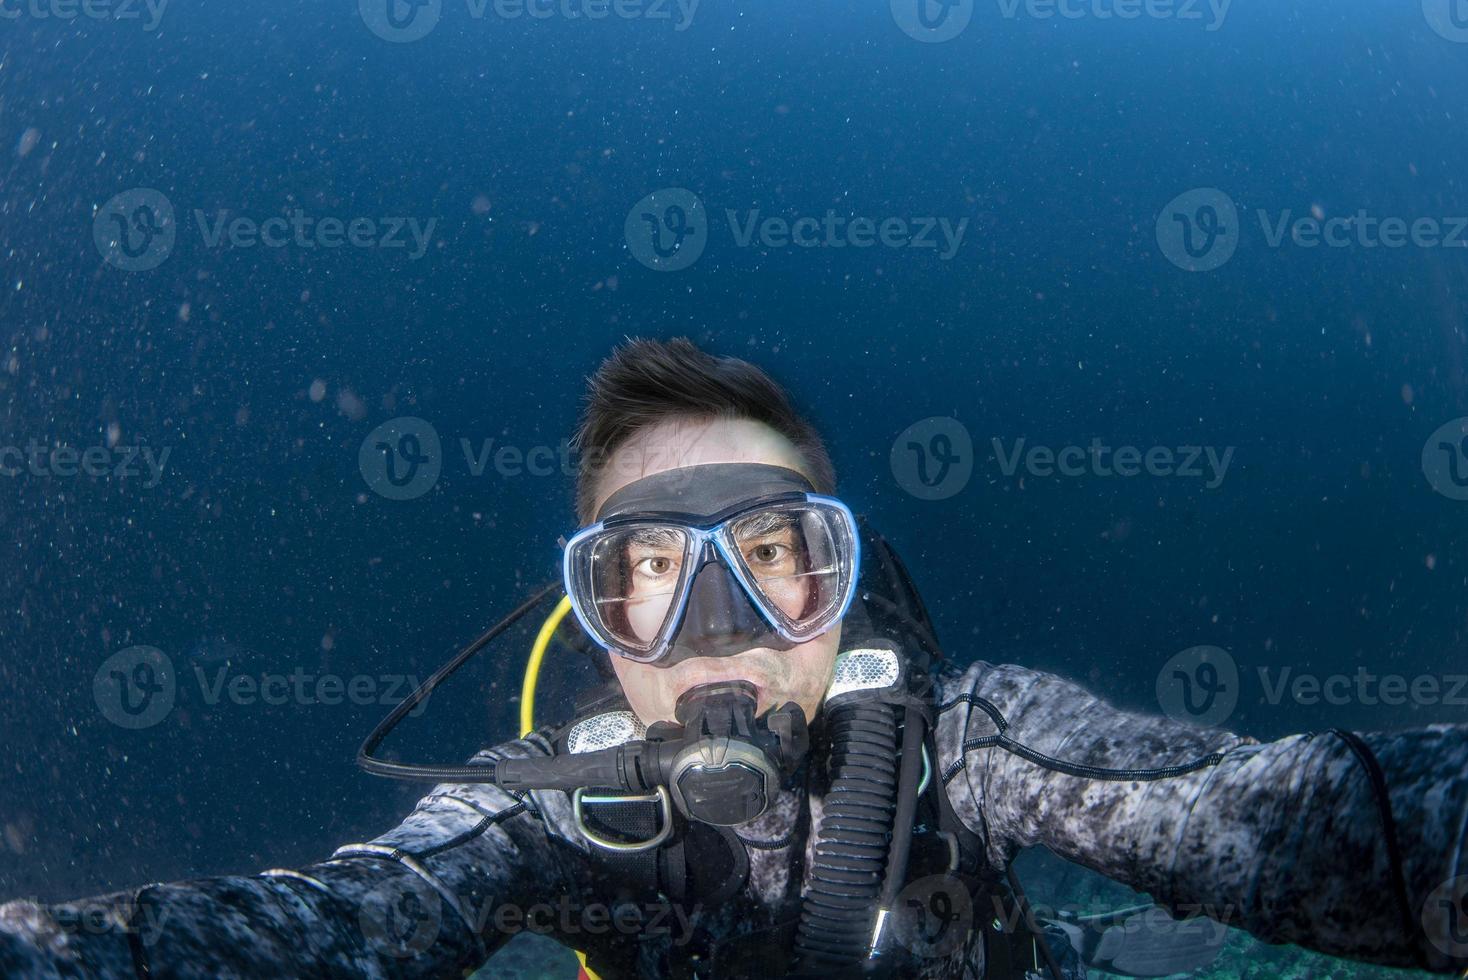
x,y
298,300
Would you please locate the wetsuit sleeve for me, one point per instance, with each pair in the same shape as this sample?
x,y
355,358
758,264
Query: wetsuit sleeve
x,y
1349,844
420,901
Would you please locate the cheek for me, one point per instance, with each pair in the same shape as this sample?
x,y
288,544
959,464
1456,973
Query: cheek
x,y
811,669
644,687
632,676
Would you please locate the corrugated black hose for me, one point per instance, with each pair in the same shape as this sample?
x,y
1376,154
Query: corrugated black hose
x,y
836,914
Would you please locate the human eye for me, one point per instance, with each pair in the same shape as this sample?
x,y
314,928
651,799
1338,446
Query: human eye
x,y
767,553
656,566
655,555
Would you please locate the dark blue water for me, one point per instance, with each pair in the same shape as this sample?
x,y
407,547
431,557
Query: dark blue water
x,y
526,142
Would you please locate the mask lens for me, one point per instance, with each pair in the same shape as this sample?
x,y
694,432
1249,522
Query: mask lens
x,y
799,558
634,575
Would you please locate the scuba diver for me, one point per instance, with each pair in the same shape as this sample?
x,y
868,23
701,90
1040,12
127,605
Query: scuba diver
x,y
782,775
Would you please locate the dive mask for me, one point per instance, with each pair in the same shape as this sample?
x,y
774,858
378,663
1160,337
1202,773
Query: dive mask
x,y
712,560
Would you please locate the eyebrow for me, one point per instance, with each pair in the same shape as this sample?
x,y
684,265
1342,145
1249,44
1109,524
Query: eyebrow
x,y
656,537
769,522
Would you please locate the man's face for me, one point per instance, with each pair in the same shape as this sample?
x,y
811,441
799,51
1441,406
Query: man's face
x,y
800,674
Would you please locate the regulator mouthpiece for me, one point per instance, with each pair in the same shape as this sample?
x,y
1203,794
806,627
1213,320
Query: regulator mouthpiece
x,y
731,764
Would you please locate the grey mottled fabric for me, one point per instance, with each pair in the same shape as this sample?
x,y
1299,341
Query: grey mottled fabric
x,y
1284,839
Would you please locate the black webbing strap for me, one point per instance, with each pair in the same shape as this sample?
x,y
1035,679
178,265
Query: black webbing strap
x,y
635,872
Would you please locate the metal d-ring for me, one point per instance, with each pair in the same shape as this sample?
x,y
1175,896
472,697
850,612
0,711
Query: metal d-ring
x,y
661,796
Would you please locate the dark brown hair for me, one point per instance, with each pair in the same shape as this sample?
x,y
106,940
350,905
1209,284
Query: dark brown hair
x,y
644,382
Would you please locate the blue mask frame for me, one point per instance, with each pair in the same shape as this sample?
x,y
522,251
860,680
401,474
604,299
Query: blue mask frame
x,y
709,539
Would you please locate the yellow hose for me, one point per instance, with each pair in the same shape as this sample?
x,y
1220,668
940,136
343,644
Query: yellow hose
x,y
532,669
527,699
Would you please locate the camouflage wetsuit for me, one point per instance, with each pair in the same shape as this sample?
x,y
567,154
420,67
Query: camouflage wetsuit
x,y
1290,840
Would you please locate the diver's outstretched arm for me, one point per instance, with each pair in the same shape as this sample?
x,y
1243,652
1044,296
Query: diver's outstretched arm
x,y
420,901
1354,845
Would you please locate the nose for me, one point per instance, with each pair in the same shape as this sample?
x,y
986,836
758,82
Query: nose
x,y
720,619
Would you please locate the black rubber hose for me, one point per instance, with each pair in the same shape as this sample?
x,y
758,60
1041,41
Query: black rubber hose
x,y
415,771
909,777
839,908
